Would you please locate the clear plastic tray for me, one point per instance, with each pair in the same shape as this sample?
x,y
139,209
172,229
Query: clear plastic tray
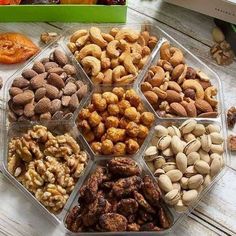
x,y
190,59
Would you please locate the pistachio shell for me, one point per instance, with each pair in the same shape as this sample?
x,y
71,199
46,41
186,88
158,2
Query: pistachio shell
x,y
184,182
169,166
173,130
189,197
167,152
207,181
164,142
175,175
195,181
180,207
151,166
204,156
150,158
172,197
192,158
217,149
177,186
215,155
190,171
188,126
215,166
206,142
152,150
212,128
164,183
199,189
160,131
199,130
158,172
159,162
181,162
192,146
176,144
188,137
216,138
202,167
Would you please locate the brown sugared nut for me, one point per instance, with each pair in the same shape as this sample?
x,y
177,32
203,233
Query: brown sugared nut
x,y
94,119
132,97
84,114
141,108
115,135
131,146
232,143
231,117
99,103
133,227
143,131
84,125
123,123
89,136
104,115
99,130
110,97
127,206
113,109
191,73
131,113
119,92
111,121
107,147
119,149
147,118
132,129
123,105
96,147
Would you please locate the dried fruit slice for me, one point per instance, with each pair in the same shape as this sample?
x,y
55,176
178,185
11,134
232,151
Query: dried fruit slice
x,y
16,48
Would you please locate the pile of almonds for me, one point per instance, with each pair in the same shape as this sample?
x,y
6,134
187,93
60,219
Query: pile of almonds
x,y
177,90
49,90
185,160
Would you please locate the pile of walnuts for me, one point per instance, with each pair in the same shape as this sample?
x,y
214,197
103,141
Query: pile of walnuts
x,y
47,165
115,122
117,198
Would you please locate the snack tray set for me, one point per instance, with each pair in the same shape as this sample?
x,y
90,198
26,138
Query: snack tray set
x,y
13,129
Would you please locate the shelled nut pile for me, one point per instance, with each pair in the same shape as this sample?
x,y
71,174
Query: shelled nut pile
x,y
117,198
47,165
185,160
49,90
175,89
115,122
112,58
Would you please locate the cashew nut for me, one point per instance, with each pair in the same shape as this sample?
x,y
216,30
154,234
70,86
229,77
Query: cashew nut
x,y
152,42
172,85
76,35
146,36
105,63
143,62
177,56
89,50
141,41
126,48
209,93
127,79
146,51
107,77
129,64
113,32
72,47
118,72
127,34
96,37
91,65
98,79
107,37
114,62
202,76
179,73
136,48
158,78
82,41
193,84
112,48
165,51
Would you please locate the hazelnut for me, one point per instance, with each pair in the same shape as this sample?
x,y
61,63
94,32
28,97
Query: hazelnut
x,y
131,146
119,148
132,97
151,97
119,92
111,121
131,113
99,130
107,147
84,114
123,105
110,97
94,119
132,129
143,131
147,118
190,93
113,109
191,73
96,147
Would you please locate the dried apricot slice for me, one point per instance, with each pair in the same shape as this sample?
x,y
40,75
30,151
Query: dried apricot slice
x,y
16,48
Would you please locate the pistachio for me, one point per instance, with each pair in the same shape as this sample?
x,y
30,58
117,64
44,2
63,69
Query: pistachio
x,y
176,144
169,166
172,197
173,130
150,158
190,171
181,162
192,158
177,186
164,142
151,166
212,128
206,142
180,207
215,155
215,166
195,181
199,189
207,181
199,130
184,182
167,152
202,167
189,197
192,146
216,138
160,131
189,137
152,150
188,126
159,162
174,175
217,149
159,172
165,183
204,156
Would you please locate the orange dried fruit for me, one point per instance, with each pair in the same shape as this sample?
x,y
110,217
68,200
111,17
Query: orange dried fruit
x,y
16,48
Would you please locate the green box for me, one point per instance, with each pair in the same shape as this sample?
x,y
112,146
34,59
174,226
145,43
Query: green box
x,y
63,13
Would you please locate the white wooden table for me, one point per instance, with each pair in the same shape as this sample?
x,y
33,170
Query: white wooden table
x,y
216,214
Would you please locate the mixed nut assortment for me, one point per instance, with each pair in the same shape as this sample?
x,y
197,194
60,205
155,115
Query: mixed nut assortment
x,y
175,89
185,159
115,122
112,58
49,90
117,197
47,165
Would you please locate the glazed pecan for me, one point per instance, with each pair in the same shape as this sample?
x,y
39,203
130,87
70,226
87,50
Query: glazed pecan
x,y
127,206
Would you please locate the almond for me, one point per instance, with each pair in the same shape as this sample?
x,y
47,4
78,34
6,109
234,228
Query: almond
x,y
28,74
29,110
69,69
172,85
20,82
60,57
23,98
17,109
56,105
45,116
68,116
13,91
145,86
173,96
203,106
74,103
42,106
151,97
190,108
39,93
160,93
49,65
56,70
177,71
51,91
58,115
213,114
65,100
82,91
38,81
70,88
38,67
178,109
55,80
